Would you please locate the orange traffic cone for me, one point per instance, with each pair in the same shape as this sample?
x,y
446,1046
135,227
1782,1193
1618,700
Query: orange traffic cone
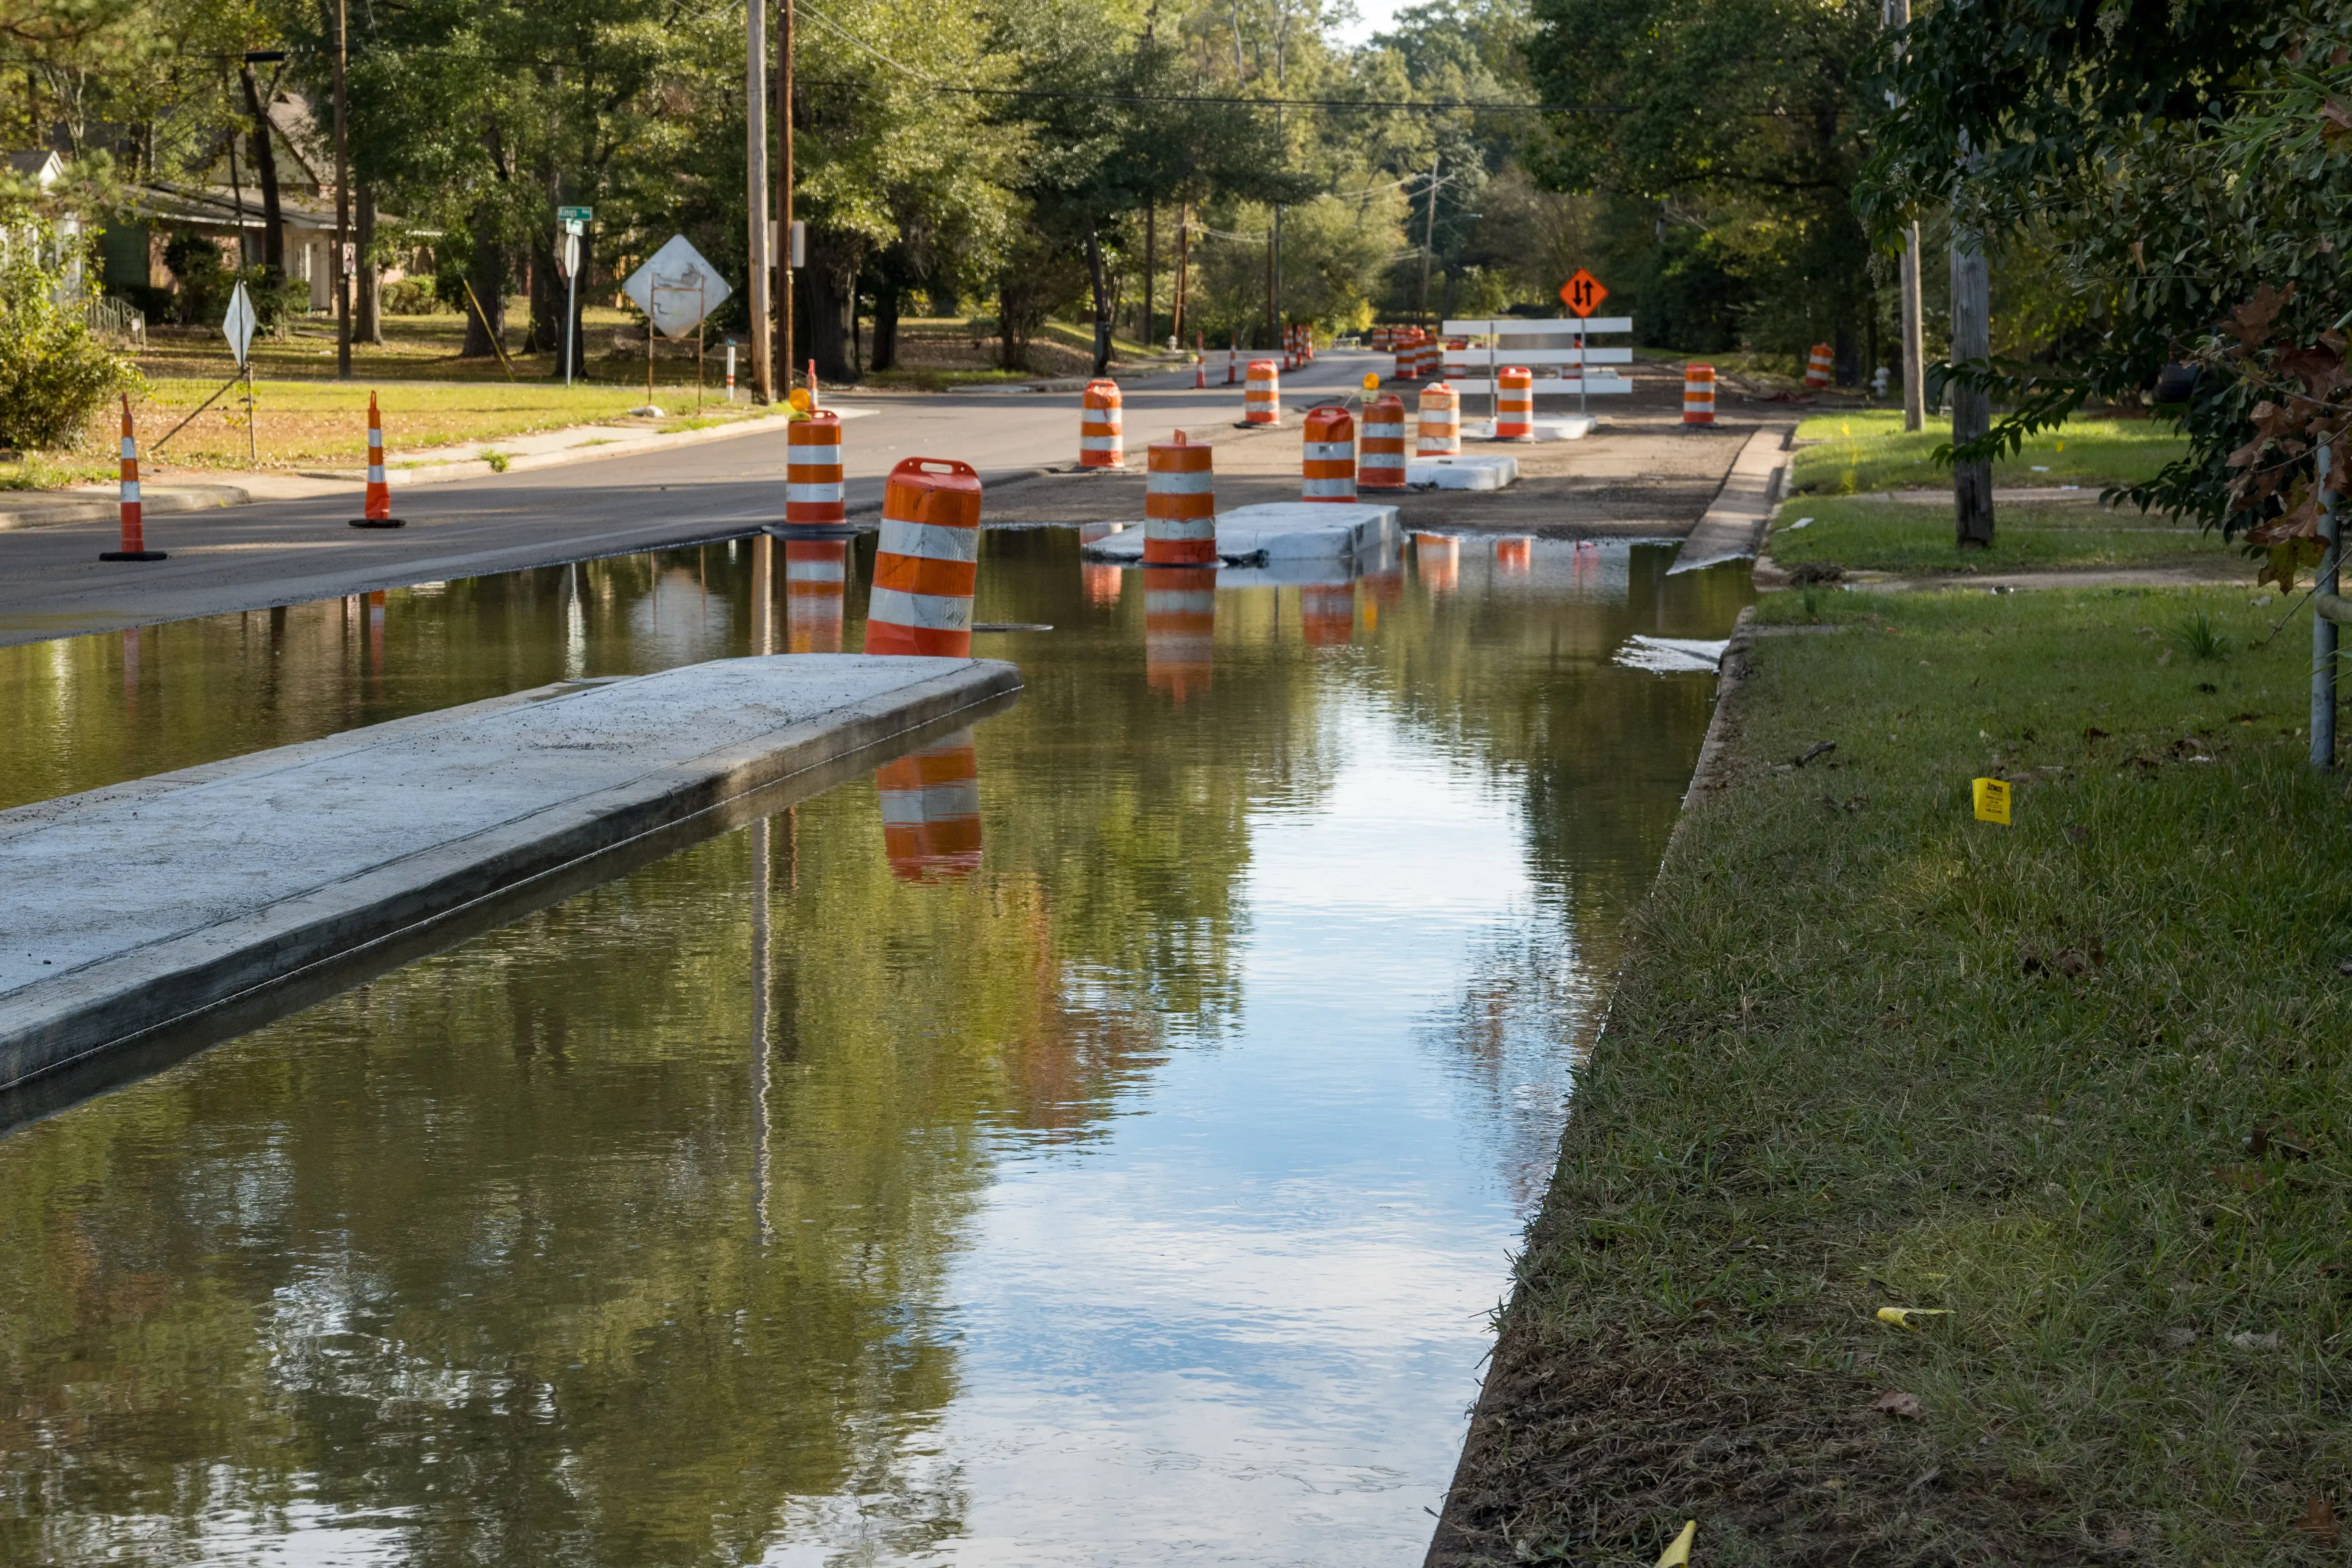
x,y
379,493
134,536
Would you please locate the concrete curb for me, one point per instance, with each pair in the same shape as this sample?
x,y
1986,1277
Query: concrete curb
x,y
46,510
1730,674
550,777
1733,527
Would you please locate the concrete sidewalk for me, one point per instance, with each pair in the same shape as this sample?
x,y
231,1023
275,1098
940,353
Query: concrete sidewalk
x,y
128,908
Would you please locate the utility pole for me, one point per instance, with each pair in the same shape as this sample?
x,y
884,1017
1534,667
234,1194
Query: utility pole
x,y
1972,406
786,260
342,195
755,132
1915,342
1428,238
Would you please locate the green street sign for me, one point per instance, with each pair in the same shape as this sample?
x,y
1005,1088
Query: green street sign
x,y
575,215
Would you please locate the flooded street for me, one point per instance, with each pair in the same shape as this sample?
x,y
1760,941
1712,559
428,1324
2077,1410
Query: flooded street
x,y
1100,1138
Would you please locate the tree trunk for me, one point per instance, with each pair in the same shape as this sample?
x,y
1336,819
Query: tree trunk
x,y
487,273
886,325
546,301
369,328
1011,350
265,174
831,274
1915,353
1972,406
1101,283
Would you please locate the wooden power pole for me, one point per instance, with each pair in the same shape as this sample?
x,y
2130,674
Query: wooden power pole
x,y
755,192
786,260
1972,406
1915,342
342,273
1428,238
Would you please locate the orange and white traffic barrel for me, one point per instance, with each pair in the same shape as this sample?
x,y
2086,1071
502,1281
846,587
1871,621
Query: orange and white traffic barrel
x,y
1432,359
1820,366
1408,358
1179,629
1456,371
1180,504
1328,472
928,559
816,589
1699,394
1381,468
930,811
1326,613
813,490
1515,404
134,531
1437,560
1100,443
1515,554
1262,400
376,512
1441,422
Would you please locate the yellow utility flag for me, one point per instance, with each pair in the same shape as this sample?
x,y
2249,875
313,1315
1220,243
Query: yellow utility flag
x,y
1678,1554
1901,1316
1992,800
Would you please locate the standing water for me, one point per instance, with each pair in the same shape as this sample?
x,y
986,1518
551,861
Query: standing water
x,y
1127,1173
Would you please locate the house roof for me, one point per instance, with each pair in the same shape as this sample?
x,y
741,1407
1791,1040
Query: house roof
x,y
223,207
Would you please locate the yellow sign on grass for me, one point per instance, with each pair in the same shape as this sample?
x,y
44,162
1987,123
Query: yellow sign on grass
x,y
1992,800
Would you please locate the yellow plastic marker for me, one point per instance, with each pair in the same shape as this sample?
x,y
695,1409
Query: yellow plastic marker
x,y
1371,383
1678,1554
799,399
1992,800
1901,1316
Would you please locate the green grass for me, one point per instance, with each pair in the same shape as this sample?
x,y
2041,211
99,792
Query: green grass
x,y
1868,449
1900,536
2081,1083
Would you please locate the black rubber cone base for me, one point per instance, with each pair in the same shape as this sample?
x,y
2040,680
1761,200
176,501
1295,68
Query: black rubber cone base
x,y
379,522
132,555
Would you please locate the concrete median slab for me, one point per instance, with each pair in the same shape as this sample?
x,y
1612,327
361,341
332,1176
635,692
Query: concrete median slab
x,y
1276,531
149,904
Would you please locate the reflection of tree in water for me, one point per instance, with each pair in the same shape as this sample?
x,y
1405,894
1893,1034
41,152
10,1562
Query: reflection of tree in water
x,y
1528,1012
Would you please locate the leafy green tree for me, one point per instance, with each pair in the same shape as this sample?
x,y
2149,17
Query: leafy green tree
x,y
54,376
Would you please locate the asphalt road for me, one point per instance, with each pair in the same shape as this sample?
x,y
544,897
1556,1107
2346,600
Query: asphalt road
x,y
281,553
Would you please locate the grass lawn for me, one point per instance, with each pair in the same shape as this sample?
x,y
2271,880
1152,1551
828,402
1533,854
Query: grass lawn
x,y
2079,1084
1868,449
1898,536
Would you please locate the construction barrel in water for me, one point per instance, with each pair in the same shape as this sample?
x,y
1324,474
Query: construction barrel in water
x,y
1441,422
927,562
1180,504
930,811
1262,399
1437,560
1699,394
1101,444
816,585
1820,366
1515,404
1382,467
813,481
1328,472
1515,554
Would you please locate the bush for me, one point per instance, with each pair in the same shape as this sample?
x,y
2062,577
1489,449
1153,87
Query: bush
x,y
54,376
413,297
206,282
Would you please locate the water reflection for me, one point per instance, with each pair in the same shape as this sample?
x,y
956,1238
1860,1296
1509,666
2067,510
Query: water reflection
x,y
816,593
1437,560
1135,1191
1179,627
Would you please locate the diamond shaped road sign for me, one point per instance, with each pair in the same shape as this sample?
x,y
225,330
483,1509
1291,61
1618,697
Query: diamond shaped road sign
x,y
238,325
1582,293
676,288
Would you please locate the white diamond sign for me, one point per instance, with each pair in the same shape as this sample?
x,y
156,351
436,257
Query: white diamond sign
x,y
676,288
238,325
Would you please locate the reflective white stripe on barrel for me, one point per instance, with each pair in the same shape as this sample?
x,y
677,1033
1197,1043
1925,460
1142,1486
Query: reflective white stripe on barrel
x,y
929,612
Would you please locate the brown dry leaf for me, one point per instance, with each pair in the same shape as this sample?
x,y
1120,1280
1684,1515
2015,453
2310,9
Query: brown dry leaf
x,y
2335,122
2250,323
2319,1519
1906,1406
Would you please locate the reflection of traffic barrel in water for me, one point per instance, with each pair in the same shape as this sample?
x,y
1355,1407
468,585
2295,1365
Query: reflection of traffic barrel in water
x,y
1326,613
1514,555
1437,560
1179,624
928,562
1102,583
1180,504
930,811
816,585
